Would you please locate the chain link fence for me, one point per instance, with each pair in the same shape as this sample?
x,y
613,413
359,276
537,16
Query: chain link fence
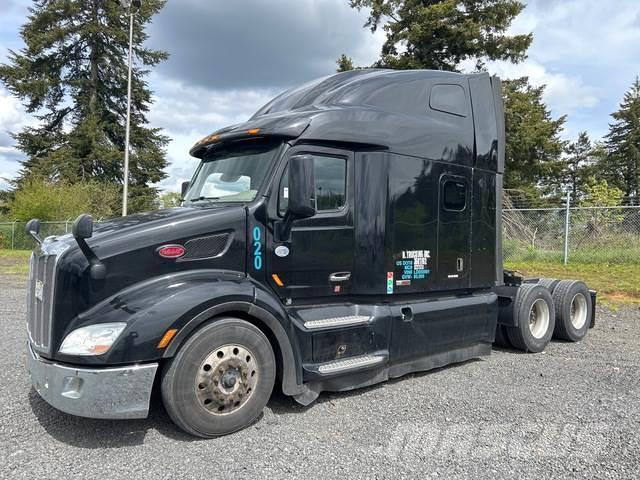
x,y
566,234
14,237
594,234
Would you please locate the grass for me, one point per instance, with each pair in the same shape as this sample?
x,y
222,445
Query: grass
x,y
14,262
592,254
615,283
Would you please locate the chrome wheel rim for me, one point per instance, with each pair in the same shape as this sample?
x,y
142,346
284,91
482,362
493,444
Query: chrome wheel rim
x,y
578,311
226,379
539,318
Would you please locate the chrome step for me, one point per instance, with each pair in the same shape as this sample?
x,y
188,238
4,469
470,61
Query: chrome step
x,y
336,322
351,363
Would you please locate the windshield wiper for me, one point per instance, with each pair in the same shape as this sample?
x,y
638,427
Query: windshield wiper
x,y
202,199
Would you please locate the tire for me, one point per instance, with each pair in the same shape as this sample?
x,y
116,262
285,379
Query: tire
x,y
220,380
534,311
502,340
548,283
572,302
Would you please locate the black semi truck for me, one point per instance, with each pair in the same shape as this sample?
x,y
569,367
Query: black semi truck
x,y
348,233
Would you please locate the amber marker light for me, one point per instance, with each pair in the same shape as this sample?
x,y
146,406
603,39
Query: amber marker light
x,y
253,131
276,279
167,337
209,138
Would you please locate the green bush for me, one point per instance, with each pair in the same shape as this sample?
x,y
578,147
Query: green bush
x,y
60,201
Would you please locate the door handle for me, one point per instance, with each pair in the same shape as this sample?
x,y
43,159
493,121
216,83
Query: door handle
x,y
339,276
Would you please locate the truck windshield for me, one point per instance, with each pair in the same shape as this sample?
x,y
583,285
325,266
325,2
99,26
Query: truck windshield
x,y
232,174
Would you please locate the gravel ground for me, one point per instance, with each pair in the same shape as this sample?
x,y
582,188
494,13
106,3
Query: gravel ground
x,y
571,412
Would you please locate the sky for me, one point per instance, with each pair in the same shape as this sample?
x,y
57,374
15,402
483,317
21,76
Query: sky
x,y
228,58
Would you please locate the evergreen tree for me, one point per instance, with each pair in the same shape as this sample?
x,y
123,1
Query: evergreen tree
x,y
533,144
440,34
579,165
621,167
344,64
72,75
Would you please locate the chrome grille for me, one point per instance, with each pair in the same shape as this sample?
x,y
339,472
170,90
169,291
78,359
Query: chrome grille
x,y
40,300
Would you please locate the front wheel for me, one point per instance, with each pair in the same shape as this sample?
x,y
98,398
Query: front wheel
x,y
220,379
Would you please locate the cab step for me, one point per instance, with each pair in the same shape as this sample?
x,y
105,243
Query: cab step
x,y
351,363
334,322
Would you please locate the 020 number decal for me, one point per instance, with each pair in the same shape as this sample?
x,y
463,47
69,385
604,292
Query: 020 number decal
x,y
257,248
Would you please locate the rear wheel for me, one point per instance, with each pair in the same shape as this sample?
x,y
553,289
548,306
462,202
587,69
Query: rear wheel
x,y
548,283
534,311
572,302
220,379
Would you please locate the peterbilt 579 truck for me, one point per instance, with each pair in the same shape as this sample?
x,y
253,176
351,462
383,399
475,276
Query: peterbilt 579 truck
x,y
348,233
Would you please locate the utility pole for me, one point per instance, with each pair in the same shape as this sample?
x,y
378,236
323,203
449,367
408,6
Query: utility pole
x,y
125,191
566,227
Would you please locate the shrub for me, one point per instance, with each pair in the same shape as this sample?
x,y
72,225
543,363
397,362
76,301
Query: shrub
x,y
48,200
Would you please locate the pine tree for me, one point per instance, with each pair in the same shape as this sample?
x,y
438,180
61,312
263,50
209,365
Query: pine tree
x,y
344,64
578,165
440,34
621,167
72,75
533,144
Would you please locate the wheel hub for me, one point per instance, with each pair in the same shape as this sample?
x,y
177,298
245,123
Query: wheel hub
x,y
226,379
229,378
539,318
578,311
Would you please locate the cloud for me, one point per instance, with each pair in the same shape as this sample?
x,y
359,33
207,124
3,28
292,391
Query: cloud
x,y
187,113
259,44
584,51
230,57
564,93
12,119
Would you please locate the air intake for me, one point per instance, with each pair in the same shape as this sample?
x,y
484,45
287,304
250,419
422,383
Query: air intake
x,y
202,248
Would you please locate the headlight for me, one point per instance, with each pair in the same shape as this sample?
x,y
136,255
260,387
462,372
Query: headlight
x,y
92,340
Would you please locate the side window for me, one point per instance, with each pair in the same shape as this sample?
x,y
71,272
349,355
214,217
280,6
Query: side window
x,y
449,99
454,195
331,181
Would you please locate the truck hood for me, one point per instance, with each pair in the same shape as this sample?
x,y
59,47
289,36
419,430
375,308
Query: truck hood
x,y
156,223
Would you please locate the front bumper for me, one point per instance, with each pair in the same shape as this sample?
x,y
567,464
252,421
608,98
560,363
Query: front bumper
x,y
116,393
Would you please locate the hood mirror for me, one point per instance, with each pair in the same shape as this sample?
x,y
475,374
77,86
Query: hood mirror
x,y
33,229
82,229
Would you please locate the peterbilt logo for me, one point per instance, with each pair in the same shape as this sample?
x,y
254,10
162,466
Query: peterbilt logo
x,y
39,289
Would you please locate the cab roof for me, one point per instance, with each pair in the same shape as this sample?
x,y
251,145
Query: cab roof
x,y
386,109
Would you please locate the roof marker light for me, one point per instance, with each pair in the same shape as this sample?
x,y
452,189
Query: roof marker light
x,y
209,138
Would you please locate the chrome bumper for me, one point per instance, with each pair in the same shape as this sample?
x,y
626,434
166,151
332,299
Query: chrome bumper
x,y
116,393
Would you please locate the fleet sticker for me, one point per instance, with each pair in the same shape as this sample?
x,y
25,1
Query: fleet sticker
x,y
412,265
389,282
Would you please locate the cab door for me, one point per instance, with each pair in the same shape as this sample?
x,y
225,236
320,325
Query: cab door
x,y
318,259
454,228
